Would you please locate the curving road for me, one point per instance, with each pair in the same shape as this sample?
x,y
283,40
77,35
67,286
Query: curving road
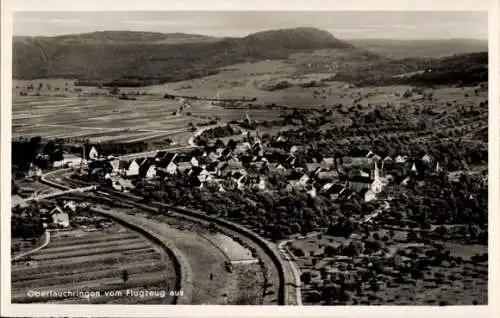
x,y
290,293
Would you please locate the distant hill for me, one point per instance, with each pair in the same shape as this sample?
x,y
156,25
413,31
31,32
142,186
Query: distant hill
x,y
121,37
165,57
463,69
400,49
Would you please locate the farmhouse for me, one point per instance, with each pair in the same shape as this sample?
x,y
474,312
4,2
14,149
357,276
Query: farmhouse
x,y
171,168
147,169
133,169
59,217
34,171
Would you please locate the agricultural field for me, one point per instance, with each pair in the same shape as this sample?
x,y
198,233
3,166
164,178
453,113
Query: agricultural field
x,y
80,260
99,118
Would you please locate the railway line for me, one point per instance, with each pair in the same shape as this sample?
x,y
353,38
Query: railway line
x,y
289,283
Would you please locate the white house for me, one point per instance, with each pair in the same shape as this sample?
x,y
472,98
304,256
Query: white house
x,y
243,147
312,191
327,163
151,172
427,158
194,162
133,169
34,171
400,159
281,138
293,149
303,180
93,154
59,217
171,168
370,195
414,168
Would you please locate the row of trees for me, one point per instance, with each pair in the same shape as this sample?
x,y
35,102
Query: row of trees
x,y
25,151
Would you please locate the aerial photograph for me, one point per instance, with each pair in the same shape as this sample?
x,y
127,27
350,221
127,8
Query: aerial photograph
x,y
307,158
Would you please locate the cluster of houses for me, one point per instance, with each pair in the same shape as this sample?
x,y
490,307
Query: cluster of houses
x,y
248,164
52,215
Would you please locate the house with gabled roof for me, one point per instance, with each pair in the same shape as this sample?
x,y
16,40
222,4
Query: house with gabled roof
x,y
243,147
194,162
171,168
311,190
132,169
59,217
332,189
313,168
274,167
327,163
400,159
34,171
427,159
327,175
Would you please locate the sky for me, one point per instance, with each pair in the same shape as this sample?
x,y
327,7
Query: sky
x,y
342,24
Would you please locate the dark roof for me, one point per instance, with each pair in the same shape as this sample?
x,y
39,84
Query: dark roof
x,y
335,188
160,154
360,179
237,174
145,166
362,191
181,158
195,171
123,164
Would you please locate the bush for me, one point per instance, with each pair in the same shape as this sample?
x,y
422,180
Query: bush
x,y
306,277
298,252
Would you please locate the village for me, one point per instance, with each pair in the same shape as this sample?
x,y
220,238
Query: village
x,y
248,164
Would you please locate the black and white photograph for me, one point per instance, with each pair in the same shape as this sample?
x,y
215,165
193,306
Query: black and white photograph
x,y
303,158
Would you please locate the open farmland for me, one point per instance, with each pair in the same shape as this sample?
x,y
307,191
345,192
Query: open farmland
x,y
98,118
78,260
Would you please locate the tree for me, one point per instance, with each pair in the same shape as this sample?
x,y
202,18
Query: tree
x,y
306,277
441,231
125,275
